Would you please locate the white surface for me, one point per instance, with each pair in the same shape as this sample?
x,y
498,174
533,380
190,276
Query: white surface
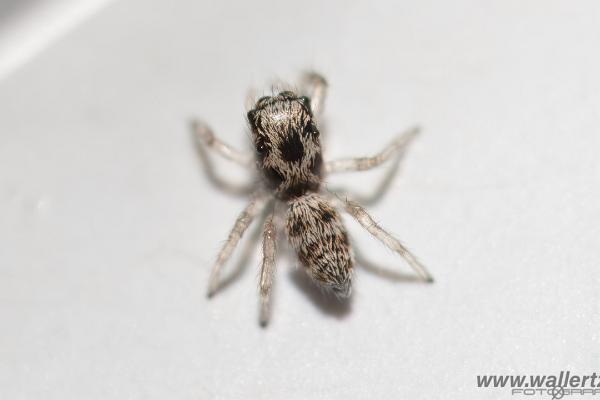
x,y
28,26
108,225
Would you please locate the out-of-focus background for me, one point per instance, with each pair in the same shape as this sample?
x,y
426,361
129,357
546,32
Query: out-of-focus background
x,y
109,224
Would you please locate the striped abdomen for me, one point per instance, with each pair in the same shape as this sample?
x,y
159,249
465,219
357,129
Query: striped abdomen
x,y
317,234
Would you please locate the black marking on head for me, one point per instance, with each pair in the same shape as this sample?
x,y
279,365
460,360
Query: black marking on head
x,y
273,177
292,149
310,130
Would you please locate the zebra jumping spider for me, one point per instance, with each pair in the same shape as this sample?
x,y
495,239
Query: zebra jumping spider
x,y
288,158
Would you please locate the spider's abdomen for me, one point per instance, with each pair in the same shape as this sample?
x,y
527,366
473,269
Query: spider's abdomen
x,y
317,234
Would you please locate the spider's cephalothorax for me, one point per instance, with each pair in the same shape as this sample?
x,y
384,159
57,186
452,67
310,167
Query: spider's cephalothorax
x,y
288,156
287,144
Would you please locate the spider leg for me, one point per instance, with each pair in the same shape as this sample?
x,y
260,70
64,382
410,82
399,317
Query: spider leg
x,y
315,86
250,99
205,135
241,224
268,269
380,190
364,163
367,222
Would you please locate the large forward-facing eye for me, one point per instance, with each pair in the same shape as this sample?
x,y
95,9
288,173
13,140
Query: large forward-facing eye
x,y
311,130
261,146
306,102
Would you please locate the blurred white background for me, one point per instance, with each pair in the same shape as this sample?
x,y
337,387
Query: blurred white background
x,y
109,225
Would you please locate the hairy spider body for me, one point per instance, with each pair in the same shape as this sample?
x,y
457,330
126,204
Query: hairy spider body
x,y
288,156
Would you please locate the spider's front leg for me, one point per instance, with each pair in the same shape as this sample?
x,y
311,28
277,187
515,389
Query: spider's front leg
x,y
268,269
206,136
364,163
241,224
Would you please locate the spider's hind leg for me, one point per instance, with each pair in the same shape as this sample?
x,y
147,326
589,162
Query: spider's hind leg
x,y
367,222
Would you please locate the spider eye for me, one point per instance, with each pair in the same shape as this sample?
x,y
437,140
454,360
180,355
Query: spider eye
x,y
311,130
305,100
261,146
306,103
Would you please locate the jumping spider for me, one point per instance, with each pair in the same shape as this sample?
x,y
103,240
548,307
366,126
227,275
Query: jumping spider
x,y
289,160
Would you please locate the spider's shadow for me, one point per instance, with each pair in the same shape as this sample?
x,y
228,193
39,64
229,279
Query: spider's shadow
x,y
383,272
338,307
326,302
382,187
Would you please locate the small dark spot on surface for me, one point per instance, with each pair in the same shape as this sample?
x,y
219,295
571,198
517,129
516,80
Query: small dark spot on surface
x,y
292,149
